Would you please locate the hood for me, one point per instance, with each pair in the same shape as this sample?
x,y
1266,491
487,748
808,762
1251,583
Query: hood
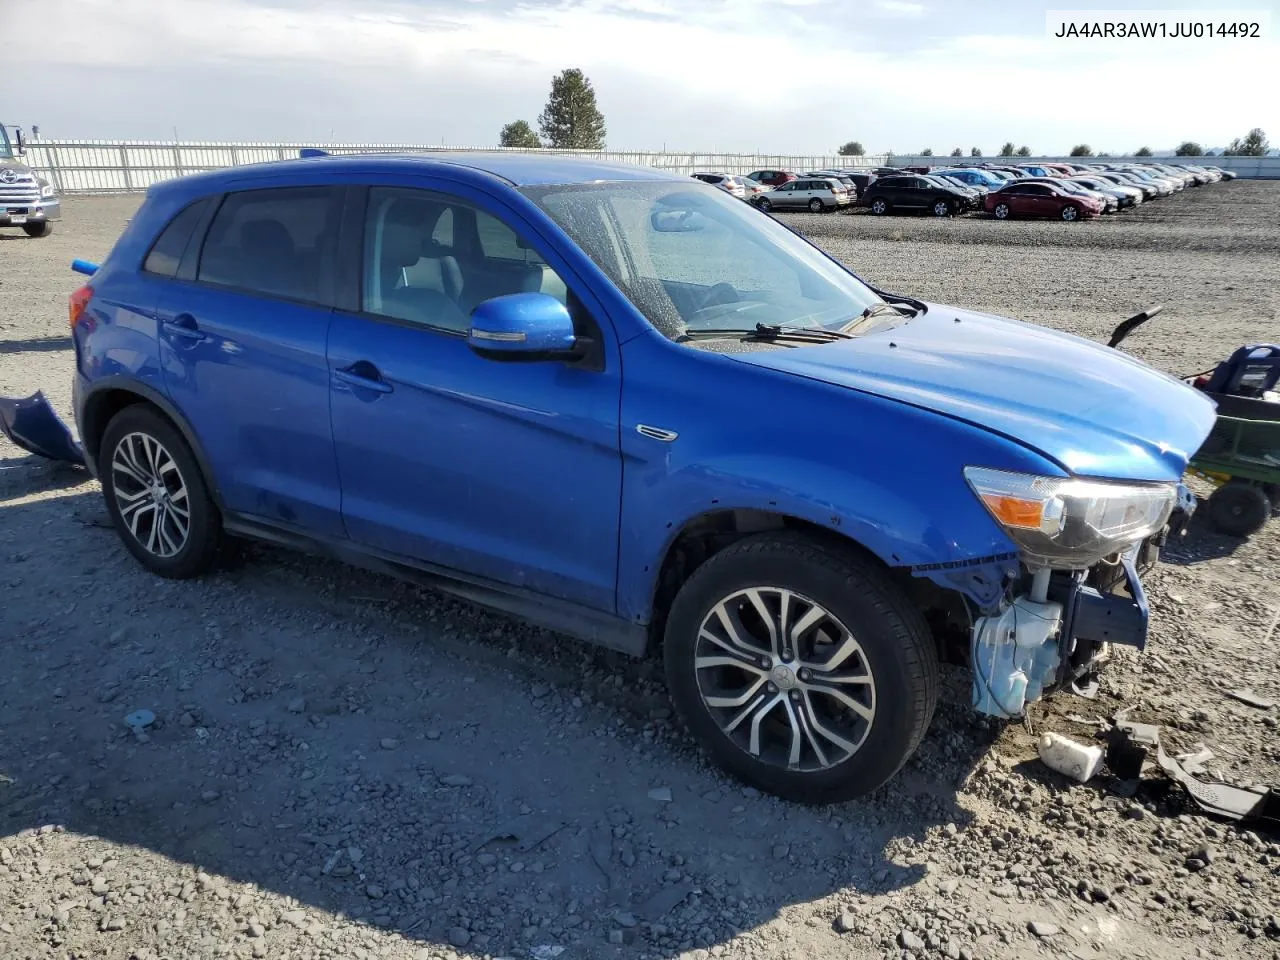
x,y
1094,410
14,163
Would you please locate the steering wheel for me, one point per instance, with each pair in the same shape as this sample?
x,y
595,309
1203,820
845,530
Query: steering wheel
x,y
717,295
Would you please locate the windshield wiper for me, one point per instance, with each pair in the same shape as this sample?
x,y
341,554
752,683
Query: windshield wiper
x,y
767,332
919,306
873,311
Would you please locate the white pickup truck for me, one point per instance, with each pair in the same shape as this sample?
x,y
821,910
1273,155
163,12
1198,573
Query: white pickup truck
x,y
26,200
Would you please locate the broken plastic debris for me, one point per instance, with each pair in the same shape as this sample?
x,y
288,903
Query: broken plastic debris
x,y
1252,699
30,423
1069,758
661,794
1223,799
140,719
545,952
529,831
1194,763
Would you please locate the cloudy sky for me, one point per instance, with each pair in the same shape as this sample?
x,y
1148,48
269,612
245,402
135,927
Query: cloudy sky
x,y
786,76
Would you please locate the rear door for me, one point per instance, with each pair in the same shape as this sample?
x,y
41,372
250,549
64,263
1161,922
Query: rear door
x,y
242,328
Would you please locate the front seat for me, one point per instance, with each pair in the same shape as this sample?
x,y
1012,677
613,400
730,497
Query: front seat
x,y
401,247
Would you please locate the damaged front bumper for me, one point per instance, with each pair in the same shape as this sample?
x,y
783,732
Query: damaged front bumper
x,y
1050,629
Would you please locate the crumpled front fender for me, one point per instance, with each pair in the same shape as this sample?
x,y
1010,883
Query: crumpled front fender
x,y
32,424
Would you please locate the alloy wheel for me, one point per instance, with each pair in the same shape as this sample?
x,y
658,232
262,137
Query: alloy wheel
x,y
784,679
151,494
1002,211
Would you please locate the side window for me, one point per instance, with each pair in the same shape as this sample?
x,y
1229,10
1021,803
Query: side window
x,y
430,259
166,253
499,242
273,242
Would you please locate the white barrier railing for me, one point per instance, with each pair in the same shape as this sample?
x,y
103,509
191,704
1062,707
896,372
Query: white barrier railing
x,y
130,166
101,166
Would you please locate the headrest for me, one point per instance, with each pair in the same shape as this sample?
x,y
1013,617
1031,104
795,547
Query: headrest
x,y
401,244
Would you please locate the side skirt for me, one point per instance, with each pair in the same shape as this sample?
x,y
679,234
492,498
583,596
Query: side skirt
x,y
561,616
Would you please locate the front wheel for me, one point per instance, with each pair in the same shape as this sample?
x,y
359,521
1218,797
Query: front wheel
x,y
157,496
37,230
1070,213
801,668
942,209
764,204
1239,508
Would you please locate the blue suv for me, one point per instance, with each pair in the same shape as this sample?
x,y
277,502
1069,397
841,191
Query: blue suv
x,y
625,406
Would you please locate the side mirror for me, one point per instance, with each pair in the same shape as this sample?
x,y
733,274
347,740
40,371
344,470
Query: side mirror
x,y
522,326
22,141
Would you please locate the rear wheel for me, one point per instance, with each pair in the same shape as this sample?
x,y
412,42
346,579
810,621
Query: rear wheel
x,y
816,205
1001,211
157,495
1070,212
801,668
37,229
1239,508
879,207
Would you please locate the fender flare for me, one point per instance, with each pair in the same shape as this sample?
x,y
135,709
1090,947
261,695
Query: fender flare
x,y
91,429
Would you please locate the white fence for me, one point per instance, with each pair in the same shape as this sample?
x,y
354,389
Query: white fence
x,y
101,166
130,166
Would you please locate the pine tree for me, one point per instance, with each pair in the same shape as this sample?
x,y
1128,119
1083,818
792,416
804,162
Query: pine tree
x,y
571,120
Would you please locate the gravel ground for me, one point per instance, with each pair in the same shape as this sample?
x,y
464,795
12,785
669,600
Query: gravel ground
x,y
339,762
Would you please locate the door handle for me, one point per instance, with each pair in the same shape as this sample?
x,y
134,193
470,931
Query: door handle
x,y
363,375
184,327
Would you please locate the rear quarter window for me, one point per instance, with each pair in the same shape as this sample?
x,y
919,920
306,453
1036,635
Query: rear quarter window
x,y
167,252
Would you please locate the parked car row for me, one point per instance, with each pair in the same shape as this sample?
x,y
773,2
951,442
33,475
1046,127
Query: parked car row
x,y
1064,191
819,191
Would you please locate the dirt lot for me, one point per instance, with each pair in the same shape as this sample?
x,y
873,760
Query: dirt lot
x,y
336,756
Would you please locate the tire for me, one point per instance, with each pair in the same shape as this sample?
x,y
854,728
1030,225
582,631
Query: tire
x,y
941,208
1272,490
37,230
1239,509
879,207
816,205
136,440
1001,211
764,204
892,646
1070,213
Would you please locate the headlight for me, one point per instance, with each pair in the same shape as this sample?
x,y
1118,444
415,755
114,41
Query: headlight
x,y
1064,522
46,190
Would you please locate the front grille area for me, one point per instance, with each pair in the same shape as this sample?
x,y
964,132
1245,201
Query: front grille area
x,y
24,190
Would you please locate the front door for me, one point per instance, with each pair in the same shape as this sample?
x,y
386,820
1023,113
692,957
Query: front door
x,y
242,345
506,471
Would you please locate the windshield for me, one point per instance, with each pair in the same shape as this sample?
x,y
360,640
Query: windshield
x,y
691,259
6,148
